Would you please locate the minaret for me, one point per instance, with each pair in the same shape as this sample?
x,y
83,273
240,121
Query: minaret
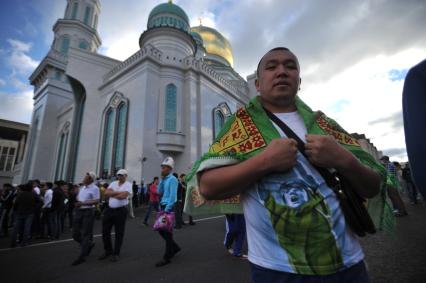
x,y
48,152
78,28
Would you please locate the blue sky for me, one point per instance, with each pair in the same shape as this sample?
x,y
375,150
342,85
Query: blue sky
x,y
354,54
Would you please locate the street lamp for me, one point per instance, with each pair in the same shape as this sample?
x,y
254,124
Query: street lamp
x,y
142,160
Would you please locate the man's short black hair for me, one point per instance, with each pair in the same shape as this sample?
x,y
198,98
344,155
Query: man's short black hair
x,y
273,49
7,185
385,157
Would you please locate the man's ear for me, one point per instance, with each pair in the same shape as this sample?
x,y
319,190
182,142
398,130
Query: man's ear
x,y
300,82
256,84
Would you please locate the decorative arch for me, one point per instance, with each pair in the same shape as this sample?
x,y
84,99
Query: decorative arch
x,y
114,135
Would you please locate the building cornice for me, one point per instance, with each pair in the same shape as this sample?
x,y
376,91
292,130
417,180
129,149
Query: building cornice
x,y
80,25
149,52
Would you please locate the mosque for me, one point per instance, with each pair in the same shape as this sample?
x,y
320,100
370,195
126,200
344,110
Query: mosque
x,y
95,113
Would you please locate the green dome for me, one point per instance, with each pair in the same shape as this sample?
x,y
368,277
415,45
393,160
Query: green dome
x,y
167,8
198,39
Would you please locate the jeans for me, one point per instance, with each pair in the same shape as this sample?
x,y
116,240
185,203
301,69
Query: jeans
x,y
6,220
354,274
178,214
113,217
171,246
22,227
235,233
82,231
152,205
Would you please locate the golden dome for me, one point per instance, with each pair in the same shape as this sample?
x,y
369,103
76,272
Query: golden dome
x,y
215,43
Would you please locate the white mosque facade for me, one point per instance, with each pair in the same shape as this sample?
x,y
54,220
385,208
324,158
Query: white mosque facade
x,y
94,113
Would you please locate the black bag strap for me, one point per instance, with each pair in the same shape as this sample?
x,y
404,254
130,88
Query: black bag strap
x,y
329,178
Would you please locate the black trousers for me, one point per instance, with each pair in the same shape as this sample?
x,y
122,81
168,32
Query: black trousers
x,y
113,217
171,246
82,231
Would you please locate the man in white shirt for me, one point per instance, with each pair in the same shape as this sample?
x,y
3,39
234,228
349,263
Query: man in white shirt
x,y
115,215
46,218
88,196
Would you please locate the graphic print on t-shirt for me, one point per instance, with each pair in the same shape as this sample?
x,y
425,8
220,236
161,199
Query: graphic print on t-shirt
x,y
301,220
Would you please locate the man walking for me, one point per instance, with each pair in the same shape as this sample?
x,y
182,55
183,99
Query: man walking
x,y
168,189
392,187
115,215
296,230
84,218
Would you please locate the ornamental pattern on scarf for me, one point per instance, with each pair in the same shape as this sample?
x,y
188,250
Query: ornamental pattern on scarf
x,y
243,136
335,130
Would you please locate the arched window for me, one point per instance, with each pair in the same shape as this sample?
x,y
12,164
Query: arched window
x,y
83,44
87,15
108,141
220,113
114,136
170,109
95,22
65,45
120,136
74,11
61,156
219,121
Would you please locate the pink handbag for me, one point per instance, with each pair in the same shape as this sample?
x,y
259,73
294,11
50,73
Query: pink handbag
x,y
164,221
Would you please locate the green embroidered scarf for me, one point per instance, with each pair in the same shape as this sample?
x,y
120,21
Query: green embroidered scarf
x,y
248,132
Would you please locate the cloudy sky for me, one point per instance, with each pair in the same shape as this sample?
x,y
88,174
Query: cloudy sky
x,y
354,54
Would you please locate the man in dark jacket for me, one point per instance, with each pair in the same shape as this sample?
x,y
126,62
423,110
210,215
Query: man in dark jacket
x,y
7,203
25,203
57,208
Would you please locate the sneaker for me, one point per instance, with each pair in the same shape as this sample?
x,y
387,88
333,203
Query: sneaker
x,y
78,261
145,223
192,223
162,262
104,256
241,256
231,251
115,258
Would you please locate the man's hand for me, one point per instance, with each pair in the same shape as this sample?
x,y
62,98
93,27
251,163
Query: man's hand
x,y
324,151
280,155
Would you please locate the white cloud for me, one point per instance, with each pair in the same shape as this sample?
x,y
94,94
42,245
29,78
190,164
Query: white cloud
x,y
18,59
19,46
2,82
368,95
17,106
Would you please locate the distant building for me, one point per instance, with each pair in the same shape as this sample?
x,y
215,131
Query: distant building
x,y
367,145
13,138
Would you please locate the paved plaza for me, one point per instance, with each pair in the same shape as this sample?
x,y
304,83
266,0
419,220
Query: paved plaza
x,y
398,258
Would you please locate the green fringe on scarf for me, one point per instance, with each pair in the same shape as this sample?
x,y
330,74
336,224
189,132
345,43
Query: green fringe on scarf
x,y
378,207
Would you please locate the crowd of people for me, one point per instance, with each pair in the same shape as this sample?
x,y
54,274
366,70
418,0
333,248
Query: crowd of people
x,y
45,210
402,183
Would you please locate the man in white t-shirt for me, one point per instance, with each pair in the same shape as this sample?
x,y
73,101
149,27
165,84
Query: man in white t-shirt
x,y
296,230
115,215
